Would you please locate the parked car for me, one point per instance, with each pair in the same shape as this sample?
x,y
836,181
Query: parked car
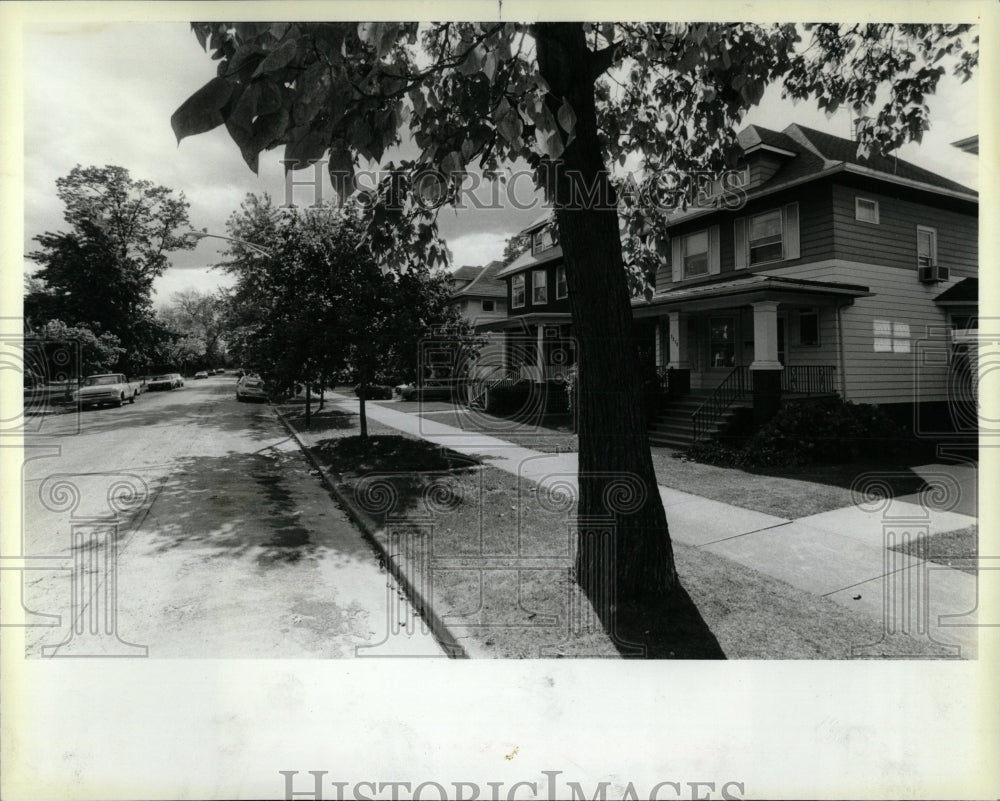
x,y
201,374
106,389
250,388
164,381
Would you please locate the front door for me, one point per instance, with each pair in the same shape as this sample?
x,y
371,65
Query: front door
x,y
781,339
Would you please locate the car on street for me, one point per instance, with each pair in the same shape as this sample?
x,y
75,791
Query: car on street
x,y
201,374
250,387
164,381
107,389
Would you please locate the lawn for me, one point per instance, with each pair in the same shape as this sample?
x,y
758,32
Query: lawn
x,y
500,558
958,549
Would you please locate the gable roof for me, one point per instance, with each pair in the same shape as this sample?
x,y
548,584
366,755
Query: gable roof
x,y
529,259
466,273
485,283
965,291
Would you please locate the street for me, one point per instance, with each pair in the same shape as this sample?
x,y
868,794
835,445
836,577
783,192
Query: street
x,y
226,542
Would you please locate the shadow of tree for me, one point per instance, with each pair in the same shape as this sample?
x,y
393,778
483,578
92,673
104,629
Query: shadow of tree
x,y
664,628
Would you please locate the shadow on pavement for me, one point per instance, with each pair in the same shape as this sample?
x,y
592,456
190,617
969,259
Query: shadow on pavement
x,y
665,628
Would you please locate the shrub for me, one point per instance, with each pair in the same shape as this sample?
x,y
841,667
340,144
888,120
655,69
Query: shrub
x,y
827,431
375,392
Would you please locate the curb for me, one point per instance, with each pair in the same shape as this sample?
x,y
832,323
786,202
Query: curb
x,y
371,531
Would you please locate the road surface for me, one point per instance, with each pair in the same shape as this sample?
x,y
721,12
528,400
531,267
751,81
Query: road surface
x,y
190,525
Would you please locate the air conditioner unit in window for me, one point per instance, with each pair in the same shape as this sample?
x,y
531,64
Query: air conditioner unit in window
x,y
932,273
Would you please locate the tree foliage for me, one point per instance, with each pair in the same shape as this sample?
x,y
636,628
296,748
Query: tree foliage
x,y
101,270
89,352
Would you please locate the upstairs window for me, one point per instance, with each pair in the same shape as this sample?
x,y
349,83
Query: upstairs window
x,y
543,239
562,288
926,246
866,210
765,237
539,288
517,291
694,254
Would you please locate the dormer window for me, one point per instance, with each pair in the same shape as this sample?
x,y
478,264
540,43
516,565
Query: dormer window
x,y
543,239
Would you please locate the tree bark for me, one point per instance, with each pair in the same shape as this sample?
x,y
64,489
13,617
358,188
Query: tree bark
x,y
616,477
308,402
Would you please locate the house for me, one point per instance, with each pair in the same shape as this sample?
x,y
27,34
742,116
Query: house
x,y
830,274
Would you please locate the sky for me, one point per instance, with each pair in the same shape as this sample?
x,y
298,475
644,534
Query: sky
x,y
103,94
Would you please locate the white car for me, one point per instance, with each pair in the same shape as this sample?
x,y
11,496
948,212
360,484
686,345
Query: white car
x,y
250,387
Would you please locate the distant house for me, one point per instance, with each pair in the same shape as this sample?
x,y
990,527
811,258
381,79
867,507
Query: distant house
x,y
833,274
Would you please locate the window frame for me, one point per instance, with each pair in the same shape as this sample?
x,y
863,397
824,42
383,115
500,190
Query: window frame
x,y
514,289
858,200
535,287
684,254
537,245
565,285
484,301
933,257
781,237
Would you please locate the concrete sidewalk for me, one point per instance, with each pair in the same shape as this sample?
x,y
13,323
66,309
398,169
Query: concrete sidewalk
x,y
843,554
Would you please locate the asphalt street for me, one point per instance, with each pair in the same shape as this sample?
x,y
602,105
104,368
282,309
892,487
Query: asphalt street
x,y
190,525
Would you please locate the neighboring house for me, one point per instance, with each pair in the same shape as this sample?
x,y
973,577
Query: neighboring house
x,y
482,300
832,274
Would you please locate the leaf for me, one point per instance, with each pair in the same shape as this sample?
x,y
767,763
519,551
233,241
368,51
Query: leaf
x,y
202,111
566,117
510,126
305,151
279,58
451,164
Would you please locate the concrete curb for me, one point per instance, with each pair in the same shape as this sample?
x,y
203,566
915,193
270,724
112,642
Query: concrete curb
x,y
373,535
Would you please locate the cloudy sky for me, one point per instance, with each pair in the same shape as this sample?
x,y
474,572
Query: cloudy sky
x,y
103,94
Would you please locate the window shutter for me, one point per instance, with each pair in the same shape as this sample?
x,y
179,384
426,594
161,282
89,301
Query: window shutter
x,y
790,235
713,250
740,244
676,265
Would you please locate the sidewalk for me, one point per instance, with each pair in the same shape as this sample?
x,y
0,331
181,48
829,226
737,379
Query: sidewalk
x,y
842,554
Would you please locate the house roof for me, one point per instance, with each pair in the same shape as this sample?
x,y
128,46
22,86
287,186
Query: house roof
x,y
485,284
749,284
965,291
816,154
529,259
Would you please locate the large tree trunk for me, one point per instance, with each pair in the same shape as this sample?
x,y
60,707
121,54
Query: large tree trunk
x,y
361,405
617,481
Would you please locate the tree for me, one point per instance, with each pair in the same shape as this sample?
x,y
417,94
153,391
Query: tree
x,y
571,100
198,317
321,305
101,270
92,352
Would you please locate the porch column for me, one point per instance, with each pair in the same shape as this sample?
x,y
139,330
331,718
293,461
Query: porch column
x,y
679,348
766,369
540,354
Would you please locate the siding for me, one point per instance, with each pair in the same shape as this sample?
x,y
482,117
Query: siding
x,y
893,242
877,377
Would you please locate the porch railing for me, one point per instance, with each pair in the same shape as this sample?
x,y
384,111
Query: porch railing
x,y
496,379
733,387
809,379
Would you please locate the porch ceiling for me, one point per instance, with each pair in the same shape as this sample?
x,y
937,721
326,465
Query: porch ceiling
x,y
523,321
747,289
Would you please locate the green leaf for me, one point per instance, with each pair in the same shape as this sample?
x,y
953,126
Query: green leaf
x,y
202,111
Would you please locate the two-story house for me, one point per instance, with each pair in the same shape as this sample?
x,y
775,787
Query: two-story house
x,y
829,274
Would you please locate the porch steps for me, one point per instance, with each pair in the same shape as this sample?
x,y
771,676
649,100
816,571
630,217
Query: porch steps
x,y
672,427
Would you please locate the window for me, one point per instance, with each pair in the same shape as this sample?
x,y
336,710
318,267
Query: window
x,y
765,237
926,246
809,327
543,239
866,210
562,288
694,254
891,337
488,305
517,291
539,288
721,342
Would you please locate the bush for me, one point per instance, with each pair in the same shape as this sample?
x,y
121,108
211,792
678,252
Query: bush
x,y
827,431
375,392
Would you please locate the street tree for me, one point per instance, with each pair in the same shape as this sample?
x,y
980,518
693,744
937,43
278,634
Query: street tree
x,y
322,306
101,270
71,350
573,101
198,317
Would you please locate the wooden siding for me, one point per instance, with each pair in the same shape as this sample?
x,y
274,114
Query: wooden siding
x,y
898,297
893,241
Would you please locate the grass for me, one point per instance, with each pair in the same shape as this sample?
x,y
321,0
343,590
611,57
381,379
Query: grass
x,y
958,549
502,557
